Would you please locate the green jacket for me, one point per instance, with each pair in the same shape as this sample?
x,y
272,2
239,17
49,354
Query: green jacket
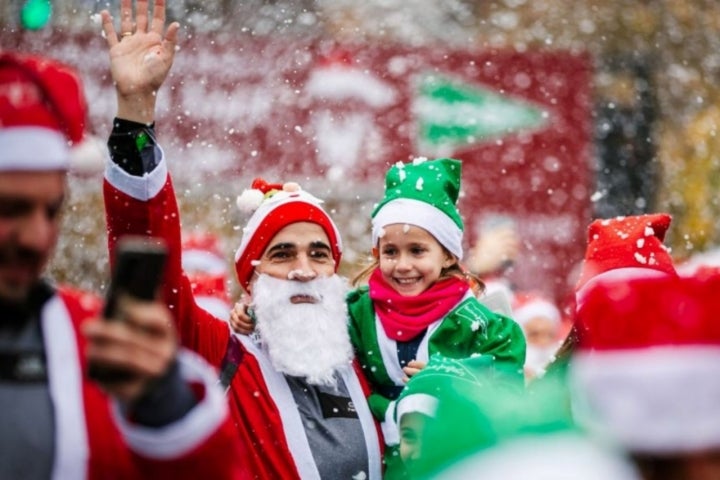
x,y
469,329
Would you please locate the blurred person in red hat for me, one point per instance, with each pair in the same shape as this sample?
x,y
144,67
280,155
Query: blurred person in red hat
x,y
619,249
166,417
295,392
645,373
541,323
207,270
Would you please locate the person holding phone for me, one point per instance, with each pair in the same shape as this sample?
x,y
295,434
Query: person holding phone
x,y
166,417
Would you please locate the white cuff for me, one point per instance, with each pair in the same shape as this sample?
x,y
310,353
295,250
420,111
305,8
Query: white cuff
x,y
140,188
182,436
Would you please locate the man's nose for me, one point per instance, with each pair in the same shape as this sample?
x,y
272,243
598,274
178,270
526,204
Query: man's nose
x,y
303,269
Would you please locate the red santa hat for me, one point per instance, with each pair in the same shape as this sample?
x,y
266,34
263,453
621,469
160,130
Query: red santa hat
x,y
529,305
625,247
274,207
207,270
646,367
42,113
201,253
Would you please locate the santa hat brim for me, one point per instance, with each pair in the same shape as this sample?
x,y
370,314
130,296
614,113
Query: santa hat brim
x,y
660,400
33,149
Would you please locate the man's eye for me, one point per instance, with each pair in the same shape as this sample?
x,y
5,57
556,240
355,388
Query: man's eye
x,y
320,254
389,252
279,255
10,209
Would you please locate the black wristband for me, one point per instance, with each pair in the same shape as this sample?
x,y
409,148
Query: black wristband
x,y
133,146
167,400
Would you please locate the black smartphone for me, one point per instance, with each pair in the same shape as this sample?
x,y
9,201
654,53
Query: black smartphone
x,y
139,267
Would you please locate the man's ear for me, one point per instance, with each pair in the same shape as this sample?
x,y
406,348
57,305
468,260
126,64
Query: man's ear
x,y
375,253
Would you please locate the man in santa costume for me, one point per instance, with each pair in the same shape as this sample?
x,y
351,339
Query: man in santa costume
x,y
167,418
295,393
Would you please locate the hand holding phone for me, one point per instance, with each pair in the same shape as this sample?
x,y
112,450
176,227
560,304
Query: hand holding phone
x,y
138,271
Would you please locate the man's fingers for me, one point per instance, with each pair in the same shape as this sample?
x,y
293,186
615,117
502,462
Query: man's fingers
x,y
158,21
116,344
171,35
126,19
108,28
141,15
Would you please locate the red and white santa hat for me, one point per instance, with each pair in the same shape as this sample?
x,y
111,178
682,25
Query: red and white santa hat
x,y
207,270
646,370
274,207
623,248
42,113
201,253
529,305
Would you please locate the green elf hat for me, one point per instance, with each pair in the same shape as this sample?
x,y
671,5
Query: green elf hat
x,y
441,374
423,193
507,434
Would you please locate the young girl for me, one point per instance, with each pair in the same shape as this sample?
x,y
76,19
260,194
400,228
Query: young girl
x,y
418,300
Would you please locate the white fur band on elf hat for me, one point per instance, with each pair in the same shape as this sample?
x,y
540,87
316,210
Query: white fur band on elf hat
x,y
42,113
423,193
275,206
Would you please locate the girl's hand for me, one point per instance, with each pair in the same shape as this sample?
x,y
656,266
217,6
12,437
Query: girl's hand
x,y
413,367
240,321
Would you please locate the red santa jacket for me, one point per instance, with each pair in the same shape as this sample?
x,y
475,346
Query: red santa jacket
x,y
94,440
261,404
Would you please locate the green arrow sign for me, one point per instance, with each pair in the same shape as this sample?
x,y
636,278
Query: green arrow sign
x,y
451,114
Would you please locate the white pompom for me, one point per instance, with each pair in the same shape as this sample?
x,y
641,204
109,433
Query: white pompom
x,y
249,200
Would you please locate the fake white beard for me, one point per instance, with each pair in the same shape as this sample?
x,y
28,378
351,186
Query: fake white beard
x,y
309,340
538,358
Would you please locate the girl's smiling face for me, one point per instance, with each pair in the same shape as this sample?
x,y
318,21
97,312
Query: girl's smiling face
x,y
411,259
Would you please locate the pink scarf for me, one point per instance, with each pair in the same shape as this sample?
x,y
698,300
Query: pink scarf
x,y
404,318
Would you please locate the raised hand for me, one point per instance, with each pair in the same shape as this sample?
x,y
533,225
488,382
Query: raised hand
x,y
141,55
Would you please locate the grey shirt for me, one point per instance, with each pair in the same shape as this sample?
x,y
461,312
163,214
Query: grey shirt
x,y
333,429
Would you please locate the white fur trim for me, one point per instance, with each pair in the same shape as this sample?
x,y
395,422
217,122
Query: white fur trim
x,y
417,403
186,434
421,214
65,384
32,149
280,198
537,308
615,275
557,456
287,409
372,442
203,261
657,400
140,188
389,427
217,307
